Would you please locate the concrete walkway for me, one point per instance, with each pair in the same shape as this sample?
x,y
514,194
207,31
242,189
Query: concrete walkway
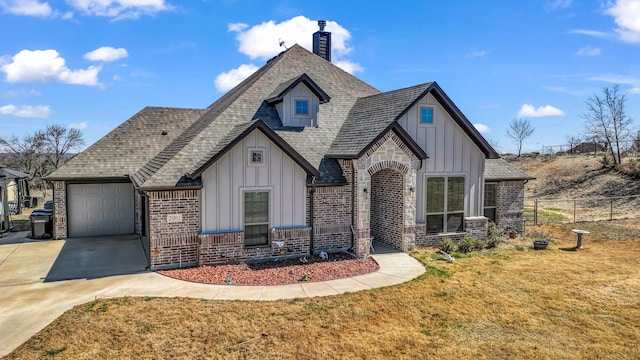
x,y
28,302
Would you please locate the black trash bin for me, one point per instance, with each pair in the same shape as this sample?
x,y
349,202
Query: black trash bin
x,y
41,223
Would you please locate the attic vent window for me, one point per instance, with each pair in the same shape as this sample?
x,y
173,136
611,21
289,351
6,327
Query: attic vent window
x,y
426,115
256,157
302,107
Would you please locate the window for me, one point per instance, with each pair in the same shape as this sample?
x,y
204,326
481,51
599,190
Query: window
x,y
426,115
445,204
302,107
256,156
256,218
490,200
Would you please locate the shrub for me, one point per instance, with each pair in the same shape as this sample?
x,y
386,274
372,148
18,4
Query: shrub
x,y
494,235
447,245
468,244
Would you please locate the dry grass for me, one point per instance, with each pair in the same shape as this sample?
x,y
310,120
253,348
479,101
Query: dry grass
x,y
509,303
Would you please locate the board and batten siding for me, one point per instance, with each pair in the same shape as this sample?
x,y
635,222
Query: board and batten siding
x,y
451,153
287,108
225,181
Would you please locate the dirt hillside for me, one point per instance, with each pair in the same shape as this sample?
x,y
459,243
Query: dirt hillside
x,y
573,177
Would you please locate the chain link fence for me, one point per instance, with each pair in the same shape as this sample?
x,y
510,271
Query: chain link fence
x,y
548,211
628,148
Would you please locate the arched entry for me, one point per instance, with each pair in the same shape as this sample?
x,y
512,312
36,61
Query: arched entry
x,y
387,207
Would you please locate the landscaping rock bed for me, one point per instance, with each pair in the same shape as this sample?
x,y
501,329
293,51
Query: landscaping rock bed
x,y
288,271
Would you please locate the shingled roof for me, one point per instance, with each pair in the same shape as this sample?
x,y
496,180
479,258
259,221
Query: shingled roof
x,y
130,146
352,116
501,170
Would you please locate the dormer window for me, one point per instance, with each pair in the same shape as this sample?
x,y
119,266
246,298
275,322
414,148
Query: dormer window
x,y
298,101
302,107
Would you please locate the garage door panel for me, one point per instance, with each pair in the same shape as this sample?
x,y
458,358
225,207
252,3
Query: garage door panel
x,y
100,209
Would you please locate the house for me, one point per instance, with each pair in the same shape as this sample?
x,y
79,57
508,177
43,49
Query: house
x,y
13,186
300,157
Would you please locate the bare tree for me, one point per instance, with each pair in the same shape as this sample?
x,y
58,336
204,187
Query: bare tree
x,y
26,154
59,141
573,141
519,130
606,118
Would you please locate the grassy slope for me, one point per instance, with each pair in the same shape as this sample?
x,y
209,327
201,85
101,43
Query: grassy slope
x,y
495,304
569,177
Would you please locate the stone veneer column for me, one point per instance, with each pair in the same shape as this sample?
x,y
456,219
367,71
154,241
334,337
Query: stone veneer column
x,y
476,227
59,210
388,153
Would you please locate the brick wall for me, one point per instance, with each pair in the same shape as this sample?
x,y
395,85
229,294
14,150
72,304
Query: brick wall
x,y
332,218
59,210
174,242
476,227
387,207
221,248
509,207
174,251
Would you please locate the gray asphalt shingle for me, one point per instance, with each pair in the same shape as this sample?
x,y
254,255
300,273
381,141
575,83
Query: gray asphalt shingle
x,y
500,169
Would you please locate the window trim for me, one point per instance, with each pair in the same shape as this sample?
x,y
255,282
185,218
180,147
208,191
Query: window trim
x,y
269,192
445,211
295,107
433,115
250,153
484,200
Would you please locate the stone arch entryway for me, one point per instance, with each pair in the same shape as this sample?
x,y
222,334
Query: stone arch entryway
x,y
384,195
387,207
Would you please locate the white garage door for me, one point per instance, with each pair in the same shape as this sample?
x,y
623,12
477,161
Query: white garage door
x,y
100,209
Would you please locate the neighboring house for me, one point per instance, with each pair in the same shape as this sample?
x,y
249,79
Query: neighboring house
x,y
504,194
299,157
13,185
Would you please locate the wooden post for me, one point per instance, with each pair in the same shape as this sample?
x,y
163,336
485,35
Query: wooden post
x,y
535,213
574,211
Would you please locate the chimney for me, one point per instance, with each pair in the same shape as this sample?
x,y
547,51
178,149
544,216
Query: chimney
x,y
322,41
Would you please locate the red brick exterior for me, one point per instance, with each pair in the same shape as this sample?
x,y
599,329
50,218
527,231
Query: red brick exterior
x,y
332,218
60,210
174,244
221,248
387,207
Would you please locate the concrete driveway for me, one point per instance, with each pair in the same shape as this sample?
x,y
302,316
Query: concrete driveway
x,y
40,280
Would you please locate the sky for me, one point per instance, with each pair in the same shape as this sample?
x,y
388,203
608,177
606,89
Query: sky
x,y
92,64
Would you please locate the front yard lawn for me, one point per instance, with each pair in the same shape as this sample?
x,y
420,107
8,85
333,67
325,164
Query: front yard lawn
x,y
512,302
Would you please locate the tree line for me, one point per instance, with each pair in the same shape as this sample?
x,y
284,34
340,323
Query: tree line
x,y
606,123
41,153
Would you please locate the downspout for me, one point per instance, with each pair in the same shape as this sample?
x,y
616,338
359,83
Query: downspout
x,y
311,213
353,204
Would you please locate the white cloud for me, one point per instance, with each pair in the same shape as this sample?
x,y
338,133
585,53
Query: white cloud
x,y
226,81
262,42
120,9
475,54
634,90
615,79
348,66
482,128
237,27
528,110
46,65
588,51
26,111
626,14
26,7
80,126
593,33
19,93
558,4
106,53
